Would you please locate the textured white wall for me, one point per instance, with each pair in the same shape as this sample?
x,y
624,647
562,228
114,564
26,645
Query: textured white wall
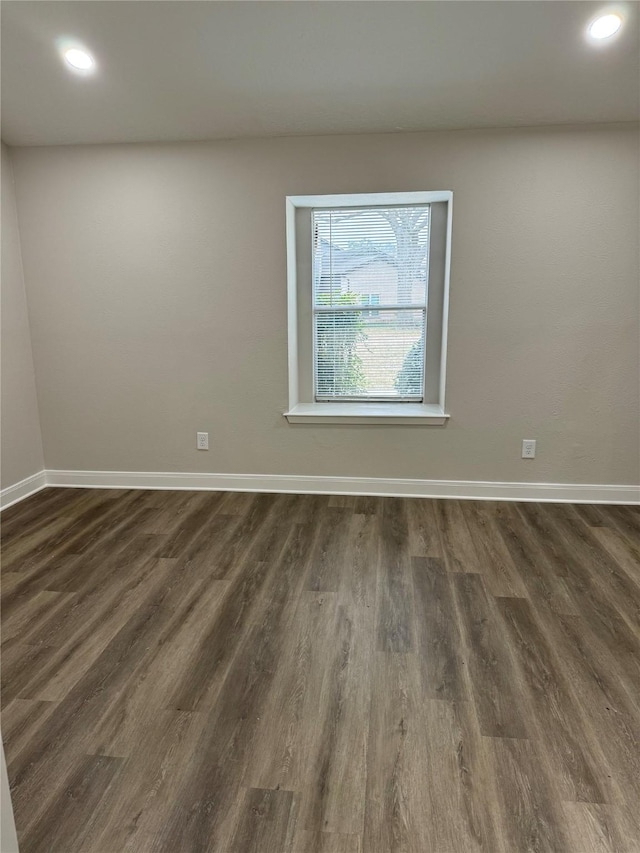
x,y
8,837
156,280
20,429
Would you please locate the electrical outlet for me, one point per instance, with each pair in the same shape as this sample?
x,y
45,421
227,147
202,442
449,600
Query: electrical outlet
x,y
528,448
202,440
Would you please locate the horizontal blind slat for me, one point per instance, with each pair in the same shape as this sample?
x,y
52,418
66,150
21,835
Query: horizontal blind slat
x,y
325,309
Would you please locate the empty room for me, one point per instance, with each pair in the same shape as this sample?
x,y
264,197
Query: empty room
x,y
320,409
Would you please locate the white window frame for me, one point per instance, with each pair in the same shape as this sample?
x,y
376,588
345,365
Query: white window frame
x,y
363,411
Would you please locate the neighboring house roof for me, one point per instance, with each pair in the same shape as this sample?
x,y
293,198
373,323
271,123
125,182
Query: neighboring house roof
x,y
343,261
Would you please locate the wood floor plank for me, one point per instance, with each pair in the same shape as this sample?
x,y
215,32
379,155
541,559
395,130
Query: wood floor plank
x,y
262,821
542,527
333,792
131,817
343,501
326,566
123,576
289,727
10,580
20,665
31,610
395,588
430,780
171,510
564,738
495,562
531,817
123,724
358,578
424,538
201,527
607,709
69,732
245,540
304,509
591,515
439,644
22,551
459,549
367,505
65,564
497,685
202,814
57,534
597,596
589,565
70,814
200,672
20,719
597,828
460,779
50,506
625,519
41,508
324,842
398,808
590,665
72,659
208,666
536,570
117,526
622,550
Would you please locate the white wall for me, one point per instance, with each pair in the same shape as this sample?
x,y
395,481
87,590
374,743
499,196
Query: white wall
x,y
8,837
156,280
21,439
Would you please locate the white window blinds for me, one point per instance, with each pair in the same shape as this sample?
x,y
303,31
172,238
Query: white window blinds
x,y
370,272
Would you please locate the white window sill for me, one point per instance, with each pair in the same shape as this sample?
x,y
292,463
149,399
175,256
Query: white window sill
x,y
367,413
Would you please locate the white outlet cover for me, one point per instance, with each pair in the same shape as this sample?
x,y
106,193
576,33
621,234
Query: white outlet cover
x,y
528,448
202,440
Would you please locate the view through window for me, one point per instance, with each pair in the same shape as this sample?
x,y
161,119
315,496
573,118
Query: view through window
x,y
365,257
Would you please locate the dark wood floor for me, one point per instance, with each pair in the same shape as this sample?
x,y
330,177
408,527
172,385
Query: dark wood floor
x,y
191,671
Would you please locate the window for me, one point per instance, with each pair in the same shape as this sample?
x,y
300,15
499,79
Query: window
x,y
347,359
360,354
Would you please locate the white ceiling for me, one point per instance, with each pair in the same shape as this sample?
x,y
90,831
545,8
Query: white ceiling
x,y
207,70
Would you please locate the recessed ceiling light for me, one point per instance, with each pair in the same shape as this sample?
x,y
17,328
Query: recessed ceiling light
x,y
605,26
78,59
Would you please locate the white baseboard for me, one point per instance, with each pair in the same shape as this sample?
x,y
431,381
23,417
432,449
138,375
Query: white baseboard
x,y
19,491
296,484
474,490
